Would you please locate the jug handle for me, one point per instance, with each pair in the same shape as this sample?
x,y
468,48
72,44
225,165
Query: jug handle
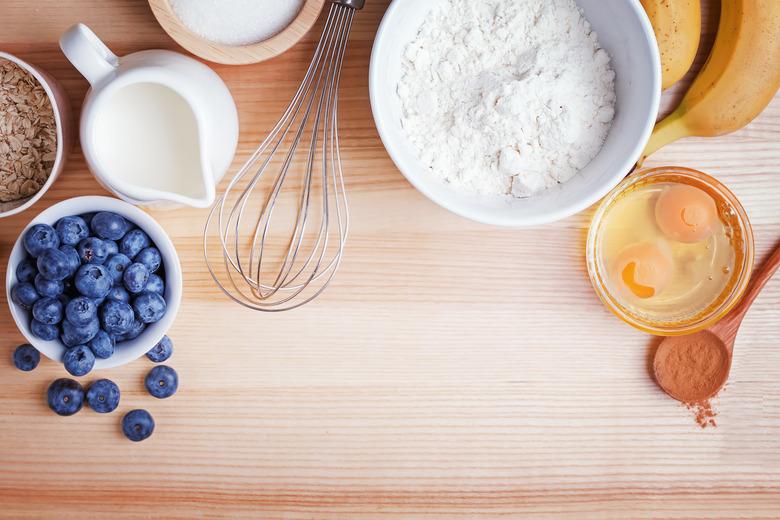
x,y
88,53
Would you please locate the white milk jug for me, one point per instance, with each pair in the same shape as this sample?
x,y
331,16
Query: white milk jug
x,y
157,127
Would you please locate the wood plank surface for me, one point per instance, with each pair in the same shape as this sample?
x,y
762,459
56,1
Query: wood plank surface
x,y
453,370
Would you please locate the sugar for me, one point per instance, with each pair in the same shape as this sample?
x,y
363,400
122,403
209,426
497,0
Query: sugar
x,y
236,22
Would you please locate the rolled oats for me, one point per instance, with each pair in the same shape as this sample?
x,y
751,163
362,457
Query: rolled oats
x,y
28,133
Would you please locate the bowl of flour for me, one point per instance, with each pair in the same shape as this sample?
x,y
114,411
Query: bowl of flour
x,y
515,112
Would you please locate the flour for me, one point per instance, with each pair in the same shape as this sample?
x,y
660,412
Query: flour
x,y
506,97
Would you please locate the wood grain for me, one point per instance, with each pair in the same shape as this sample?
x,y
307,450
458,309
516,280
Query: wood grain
x,y
453,370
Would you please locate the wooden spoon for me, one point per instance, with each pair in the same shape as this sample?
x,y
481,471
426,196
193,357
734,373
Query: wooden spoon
x,y
718,339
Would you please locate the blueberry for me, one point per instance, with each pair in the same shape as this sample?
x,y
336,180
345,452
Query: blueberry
x,y
81,311
149,307
78,360
24,295
137,425
48,288
116,317
109,225
73,335
53,264
134,242
92,250
26,271
102,345
43,331
162,381
119,294
150,257
155,284
103,396
135,330
74,260
65,396
39,238
88,217
111,247
116,265
93,281
162,351
71,230
26,358
135,277
48,311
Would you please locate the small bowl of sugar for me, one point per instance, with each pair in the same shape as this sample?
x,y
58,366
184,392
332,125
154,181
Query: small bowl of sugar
x,y
236,32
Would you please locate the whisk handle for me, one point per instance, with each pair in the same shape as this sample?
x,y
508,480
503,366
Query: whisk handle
x,y
354,4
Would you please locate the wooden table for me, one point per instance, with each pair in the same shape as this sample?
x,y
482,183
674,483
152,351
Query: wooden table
x,y
453,370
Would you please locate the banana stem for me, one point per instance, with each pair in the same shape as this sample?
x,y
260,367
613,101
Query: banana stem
x,y
670,129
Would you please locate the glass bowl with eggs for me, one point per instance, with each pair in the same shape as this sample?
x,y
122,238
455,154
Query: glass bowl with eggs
x,y
670,251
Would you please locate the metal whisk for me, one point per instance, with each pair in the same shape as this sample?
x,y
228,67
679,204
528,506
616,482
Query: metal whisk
x,y
255,264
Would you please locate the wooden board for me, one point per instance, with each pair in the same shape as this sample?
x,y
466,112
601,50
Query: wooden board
x,y
453,370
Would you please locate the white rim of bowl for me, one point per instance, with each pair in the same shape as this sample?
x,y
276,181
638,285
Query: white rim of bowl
x,y
60,153
558,213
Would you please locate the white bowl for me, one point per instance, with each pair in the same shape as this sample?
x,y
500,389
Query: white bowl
x,y
126,351
624,31
62,118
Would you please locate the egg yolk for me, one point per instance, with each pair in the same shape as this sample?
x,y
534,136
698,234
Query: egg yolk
x,y
644,269
686,214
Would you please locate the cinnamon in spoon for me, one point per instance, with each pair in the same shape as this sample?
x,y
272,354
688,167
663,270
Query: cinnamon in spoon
x,y
694,368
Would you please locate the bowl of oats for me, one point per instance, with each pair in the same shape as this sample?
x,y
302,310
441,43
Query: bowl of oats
x,y
35,133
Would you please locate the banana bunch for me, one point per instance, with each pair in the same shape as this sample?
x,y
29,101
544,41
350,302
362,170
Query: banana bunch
x,y
738,80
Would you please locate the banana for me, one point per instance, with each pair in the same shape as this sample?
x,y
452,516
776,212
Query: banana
x,y
739,79
677,27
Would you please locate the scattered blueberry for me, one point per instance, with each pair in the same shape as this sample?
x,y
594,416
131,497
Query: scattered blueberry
x,y
78,360
133,242
53,264
74,260
109,225
162,351
103,396
48,311
39,238
116,317
137,425
24,295
65,396
43,331
162,381
118,293
71,230
149,307
93,281
150,257
116,265
73,335
26,358
102,345
92,250
155,284
26,271
81,311
135,277
48,288
111,246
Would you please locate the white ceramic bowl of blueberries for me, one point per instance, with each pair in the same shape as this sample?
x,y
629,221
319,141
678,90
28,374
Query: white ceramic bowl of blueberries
x,y
93,276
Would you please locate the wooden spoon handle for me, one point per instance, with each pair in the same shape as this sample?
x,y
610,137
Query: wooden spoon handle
x,y
757,282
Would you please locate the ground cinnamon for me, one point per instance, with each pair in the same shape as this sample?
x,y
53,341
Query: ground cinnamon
x,y
692,369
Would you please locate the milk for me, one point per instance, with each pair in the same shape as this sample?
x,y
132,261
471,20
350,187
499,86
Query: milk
x,y
146,135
